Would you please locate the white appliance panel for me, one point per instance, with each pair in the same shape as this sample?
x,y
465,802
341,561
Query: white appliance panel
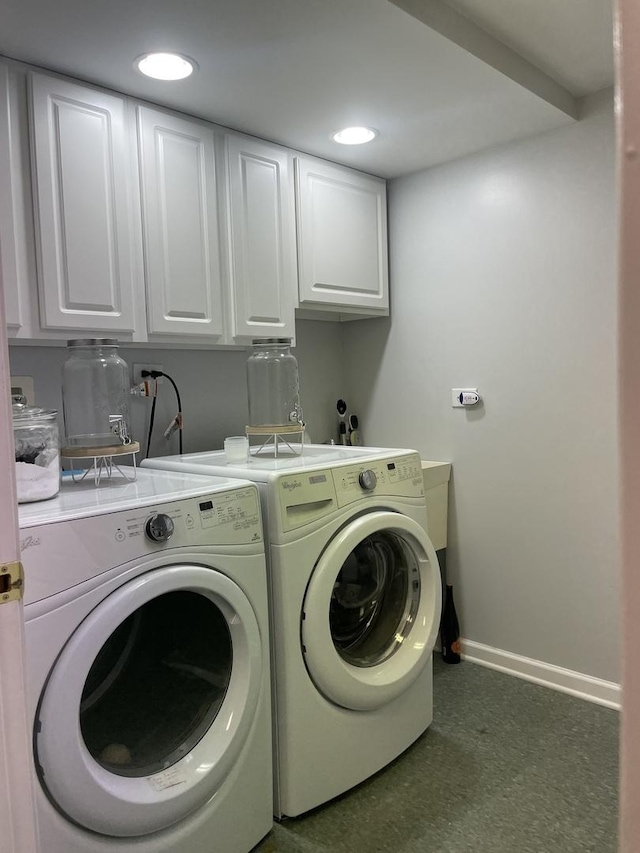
x,y
90,568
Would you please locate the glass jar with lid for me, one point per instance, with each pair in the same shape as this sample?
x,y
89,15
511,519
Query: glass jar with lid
x,y
37,451
273,386
95,395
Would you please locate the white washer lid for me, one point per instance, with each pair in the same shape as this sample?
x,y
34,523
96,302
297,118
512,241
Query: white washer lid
x,y
259,468
80,500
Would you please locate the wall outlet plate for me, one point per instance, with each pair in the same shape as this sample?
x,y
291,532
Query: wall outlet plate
x,y
456,397
137,372
28,388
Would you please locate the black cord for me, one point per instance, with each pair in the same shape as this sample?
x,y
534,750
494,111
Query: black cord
x,y
155,375
151,419
179,401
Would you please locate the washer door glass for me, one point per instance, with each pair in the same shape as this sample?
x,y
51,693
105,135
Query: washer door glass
x,y
150,702
375,599
371,611
157,684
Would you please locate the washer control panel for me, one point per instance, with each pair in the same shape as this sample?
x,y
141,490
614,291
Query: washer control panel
x,y
307,497
400,476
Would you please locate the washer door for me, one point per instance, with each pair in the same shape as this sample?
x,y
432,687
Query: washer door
x,y
150,702
371,611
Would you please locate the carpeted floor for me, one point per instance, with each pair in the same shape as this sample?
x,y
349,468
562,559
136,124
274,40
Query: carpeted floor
x,y
506,767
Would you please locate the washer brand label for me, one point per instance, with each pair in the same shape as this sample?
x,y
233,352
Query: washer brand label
x,y
291,485
167,778
29,542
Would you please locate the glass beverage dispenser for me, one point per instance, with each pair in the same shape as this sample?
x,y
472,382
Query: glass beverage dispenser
x,y
274,393
95,396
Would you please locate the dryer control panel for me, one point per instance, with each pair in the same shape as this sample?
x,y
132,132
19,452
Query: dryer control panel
x,y
57,556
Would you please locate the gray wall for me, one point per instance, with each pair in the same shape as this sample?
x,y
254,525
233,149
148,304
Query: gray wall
x,y
212,384
503,277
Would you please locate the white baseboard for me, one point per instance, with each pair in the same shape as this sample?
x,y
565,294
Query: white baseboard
x,y
596,690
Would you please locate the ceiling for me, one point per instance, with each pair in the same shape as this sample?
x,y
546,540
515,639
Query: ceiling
x,y
437,80
571,40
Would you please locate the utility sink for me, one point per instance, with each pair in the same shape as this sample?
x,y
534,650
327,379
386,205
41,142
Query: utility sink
x,y
436,488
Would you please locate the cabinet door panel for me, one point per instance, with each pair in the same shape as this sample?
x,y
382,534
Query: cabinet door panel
x,y
8,247
342,237
262,234
85,220
180,225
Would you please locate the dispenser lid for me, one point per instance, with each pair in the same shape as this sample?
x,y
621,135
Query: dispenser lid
x,y
23,414
92,342
259,342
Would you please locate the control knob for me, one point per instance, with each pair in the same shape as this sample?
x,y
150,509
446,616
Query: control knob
x,y
368,480
159,527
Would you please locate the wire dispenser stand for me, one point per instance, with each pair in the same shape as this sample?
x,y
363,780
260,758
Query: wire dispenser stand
x,y
277,440
102,463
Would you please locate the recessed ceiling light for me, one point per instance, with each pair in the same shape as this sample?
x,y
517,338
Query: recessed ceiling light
x,y
354,135
165,66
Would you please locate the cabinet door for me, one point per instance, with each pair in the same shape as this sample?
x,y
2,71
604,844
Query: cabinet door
x,y
180,225
8,236
85,217
262,247
342,238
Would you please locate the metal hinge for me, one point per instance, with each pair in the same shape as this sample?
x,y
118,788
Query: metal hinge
x,y
11,582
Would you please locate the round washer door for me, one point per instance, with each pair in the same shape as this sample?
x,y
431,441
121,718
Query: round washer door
x,y
371,611
150,702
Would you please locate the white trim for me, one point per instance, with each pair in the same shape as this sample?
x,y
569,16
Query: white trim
x,y
578,684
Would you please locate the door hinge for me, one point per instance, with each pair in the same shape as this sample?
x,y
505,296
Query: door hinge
x,y
11,582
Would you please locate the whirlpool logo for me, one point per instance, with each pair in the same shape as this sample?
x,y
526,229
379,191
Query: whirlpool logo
x,y
292,485
29,542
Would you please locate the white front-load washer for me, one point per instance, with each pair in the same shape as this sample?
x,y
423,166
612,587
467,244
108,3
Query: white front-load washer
x,y
356,598
147,641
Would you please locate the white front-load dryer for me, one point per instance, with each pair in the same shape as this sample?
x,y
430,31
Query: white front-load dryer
x,y
356,598
146,622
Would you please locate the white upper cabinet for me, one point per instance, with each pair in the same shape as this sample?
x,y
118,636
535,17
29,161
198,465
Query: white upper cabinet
x,y
262,248
180,226
84,212
342,238
8,218
121,218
